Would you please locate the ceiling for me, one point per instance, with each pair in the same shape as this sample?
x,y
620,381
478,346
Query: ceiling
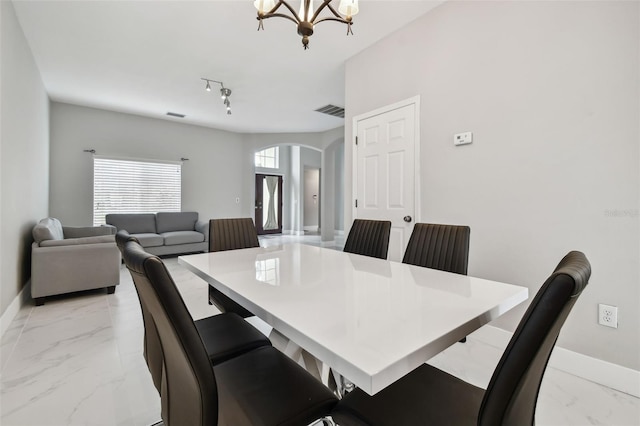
x,y
147,58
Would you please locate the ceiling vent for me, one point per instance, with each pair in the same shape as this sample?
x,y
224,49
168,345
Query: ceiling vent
x,y
175,114
333,110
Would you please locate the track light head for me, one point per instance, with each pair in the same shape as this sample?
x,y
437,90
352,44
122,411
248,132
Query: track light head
x,y
224,92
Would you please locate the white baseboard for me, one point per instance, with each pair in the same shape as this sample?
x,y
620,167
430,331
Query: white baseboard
x,y
614,376
311,228
13,309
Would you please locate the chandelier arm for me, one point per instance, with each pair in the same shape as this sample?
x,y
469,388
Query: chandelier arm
x,y
324,4
274,8
335,13
285,4
279,15
341,20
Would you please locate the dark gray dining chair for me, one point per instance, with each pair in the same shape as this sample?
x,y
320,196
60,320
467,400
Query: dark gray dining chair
x,y
230,234
429,396
262,387
442,247
435,246
224,335
369,238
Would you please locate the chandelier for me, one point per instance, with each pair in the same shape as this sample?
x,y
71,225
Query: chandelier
x,y
307,17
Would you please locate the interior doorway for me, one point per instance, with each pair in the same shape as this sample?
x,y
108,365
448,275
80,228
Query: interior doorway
x,y
311,216
268,206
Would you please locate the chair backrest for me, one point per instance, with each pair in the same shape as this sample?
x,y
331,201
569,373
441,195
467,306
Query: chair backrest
x,y
512,393
369,238
152,351
123,237
443,247
232,234
188,391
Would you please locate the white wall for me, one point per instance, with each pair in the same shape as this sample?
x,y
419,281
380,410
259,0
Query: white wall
x,y
24,155
550,91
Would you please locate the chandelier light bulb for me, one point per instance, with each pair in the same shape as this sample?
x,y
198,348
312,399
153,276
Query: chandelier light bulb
x,y
264,5
208,87
348,7
301,13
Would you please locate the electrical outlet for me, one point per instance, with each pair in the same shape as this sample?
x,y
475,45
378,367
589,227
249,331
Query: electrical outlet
x,y
608,315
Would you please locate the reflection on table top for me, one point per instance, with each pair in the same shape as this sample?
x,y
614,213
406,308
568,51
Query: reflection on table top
x,y
371,320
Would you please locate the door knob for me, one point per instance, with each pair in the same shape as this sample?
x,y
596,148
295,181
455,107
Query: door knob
x,y
407,219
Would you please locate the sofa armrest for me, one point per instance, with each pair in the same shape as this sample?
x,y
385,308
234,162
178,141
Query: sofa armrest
x,y
203,227
87,231
111,228
64,269
99,239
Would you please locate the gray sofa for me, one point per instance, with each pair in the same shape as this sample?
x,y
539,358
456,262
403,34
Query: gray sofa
x,y
164,232
66,259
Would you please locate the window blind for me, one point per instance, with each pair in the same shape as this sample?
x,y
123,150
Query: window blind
x,y
134,186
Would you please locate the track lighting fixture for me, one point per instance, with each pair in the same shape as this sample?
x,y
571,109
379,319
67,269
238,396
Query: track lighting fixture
x,y
224,92
307,16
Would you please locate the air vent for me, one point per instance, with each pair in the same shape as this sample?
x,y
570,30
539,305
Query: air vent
x,y
333,110
175,114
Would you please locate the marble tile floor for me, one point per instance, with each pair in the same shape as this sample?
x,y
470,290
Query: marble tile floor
x,y
77,360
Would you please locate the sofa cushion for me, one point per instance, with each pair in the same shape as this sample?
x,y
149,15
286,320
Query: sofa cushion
x,y
48,229
134,223
176,221
149,240
182,237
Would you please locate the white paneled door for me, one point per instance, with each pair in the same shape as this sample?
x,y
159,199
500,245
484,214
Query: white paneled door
x,y
386,170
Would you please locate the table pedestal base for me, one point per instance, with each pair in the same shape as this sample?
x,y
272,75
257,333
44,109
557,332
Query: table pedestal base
x,y
318,369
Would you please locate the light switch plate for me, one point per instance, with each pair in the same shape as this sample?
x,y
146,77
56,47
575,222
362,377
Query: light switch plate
x,y
462,138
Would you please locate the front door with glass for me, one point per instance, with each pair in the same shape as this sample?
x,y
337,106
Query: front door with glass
x,y
268,204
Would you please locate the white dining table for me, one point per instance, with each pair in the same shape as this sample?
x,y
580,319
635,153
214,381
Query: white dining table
x,y
371,320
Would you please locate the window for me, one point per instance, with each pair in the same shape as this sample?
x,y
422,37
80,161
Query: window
x,y
134,186
268,158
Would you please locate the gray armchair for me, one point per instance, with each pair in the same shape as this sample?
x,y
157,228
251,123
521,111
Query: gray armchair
x,y
67,259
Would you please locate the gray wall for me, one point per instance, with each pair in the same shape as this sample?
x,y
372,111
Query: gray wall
x,y
220,167
550,91
24,154
311,197
212,179
338,149
284,169
309,159
325,142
